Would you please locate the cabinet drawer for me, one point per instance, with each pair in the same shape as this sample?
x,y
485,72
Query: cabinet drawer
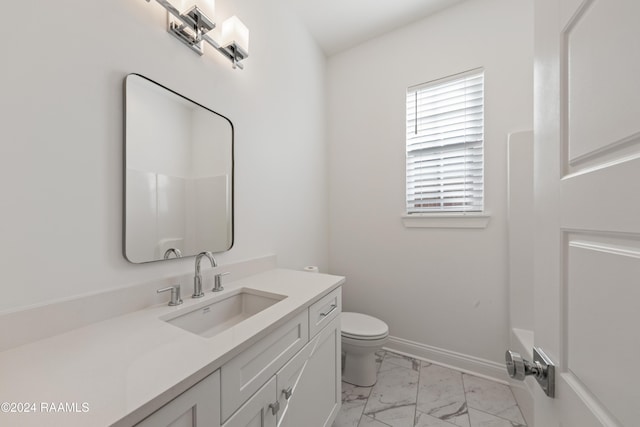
x,y
324,310
246,373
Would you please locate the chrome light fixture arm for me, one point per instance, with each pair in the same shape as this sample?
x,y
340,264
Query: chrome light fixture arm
x,y
233,53
193,28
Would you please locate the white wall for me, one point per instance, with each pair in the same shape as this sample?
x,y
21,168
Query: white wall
x,y
442,288
521,230
61,168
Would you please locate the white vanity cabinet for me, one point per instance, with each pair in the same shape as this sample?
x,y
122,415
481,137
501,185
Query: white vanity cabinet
x,y
269,356
289,378
304,392
246,373
198,406
299,365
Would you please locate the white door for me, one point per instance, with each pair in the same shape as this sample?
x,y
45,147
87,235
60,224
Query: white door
x,y
587,184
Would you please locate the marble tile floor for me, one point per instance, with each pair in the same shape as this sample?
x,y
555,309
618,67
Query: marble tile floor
x,y
413,393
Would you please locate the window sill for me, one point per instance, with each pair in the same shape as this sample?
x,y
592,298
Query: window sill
x,y
452,220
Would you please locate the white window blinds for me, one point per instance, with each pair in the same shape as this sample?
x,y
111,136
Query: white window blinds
x,y
445,135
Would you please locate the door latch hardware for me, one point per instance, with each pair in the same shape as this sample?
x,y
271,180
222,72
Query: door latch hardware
x,y
542,369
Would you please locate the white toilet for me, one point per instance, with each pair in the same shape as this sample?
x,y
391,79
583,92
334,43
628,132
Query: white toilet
x,y
362,336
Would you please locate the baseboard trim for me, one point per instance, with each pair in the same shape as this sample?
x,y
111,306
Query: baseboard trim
x,y
450,359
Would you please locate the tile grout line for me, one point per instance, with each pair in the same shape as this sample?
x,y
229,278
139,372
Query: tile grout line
x,y
517,404
485,412
364,406
498,416
415,409
371,390
384,355
464,393
466,402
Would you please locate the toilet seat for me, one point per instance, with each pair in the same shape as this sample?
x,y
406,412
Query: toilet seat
x,y
358,326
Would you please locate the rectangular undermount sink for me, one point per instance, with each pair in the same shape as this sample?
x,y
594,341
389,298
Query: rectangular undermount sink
x,y
225,312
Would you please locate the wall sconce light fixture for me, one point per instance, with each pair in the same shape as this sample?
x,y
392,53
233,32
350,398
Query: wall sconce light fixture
x,y
193,25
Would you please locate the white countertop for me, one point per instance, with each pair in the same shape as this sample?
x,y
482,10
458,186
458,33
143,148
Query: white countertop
x,y
118,370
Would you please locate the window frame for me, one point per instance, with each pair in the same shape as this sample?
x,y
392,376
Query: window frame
x,y
443,216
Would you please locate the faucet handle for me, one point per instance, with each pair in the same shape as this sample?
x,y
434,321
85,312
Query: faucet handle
x,y
175,294
217,281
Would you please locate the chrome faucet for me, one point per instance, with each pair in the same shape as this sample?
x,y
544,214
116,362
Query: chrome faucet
x,y
174,251
197,279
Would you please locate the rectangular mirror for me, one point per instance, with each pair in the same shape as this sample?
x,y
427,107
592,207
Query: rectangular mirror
x,y
178,175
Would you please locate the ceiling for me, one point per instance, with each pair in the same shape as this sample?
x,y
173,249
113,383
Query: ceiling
x,y
338,25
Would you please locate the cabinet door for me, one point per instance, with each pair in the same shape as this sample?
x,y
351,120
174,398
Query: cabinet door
x,y
258,410
309,385
243,375
198,406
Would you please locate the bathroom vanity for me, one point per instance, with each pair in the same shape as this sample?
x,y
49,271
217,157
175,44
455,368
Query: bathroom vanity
x,y
265,351
291,377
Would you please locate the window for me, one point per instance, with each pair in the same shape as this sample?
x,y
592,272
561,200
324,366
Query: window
x,y
445,138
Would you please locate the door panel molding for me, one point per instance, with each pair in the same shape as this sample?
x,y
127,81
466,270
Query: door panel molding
x,y
603,199
598,343
580,407
594,131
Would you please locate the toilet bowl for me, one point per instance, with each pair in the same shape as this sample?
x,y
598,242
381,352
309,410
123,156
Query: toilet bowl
x,y
362,336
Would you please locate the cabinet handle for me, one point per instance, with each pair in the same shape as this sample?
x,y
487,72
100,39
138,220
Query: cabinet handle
x,y
333,307
287,392
275,407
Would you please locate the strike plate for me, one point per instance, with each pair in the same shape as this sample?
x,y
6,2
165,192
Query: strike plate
x,y
546,378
